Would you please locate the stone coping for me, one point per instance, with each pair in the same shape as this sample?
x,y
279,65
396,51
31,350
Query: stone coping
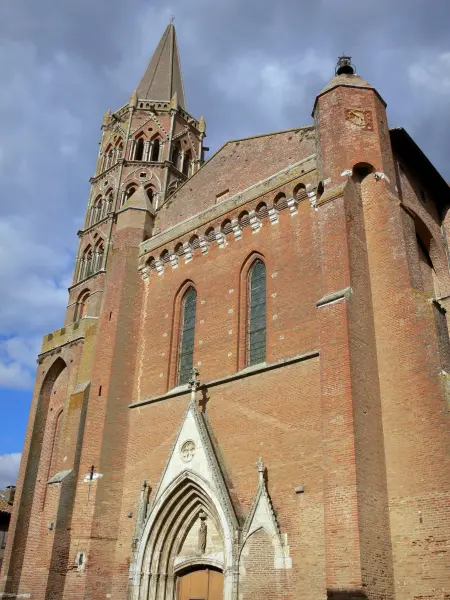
x,y
230,203
181,390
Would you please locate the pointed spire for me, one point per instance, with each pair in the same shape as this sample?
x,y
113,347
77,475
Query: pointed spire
x,y
162,79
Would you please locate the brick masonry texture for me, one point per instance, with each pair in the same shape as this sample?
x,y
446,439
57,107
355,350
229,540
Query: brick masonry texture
x,y
350,412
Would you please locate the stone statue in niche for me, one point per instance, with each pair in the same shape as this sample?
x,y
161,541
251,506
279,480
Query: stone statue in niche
x,y
202,532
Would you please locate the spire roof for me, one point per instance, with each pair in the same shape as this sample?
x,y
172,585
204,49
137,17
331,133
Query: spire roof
x,y
162,79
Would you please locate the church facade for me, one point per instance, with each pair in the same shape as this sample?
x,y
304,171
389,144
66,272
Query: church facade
x,y
250,396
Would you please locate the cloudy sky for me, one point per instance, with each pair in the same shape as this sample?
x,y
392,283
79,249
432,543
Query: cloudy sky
x,y
249,67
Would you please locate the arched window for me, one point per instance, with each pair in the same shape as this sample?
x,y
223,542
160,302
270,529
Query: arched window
x,y
149,192
127,194
104,209
155,150
98,258
119,149
139,153
256,320
176,155
87,263
81,306
187,163
108,155
187,328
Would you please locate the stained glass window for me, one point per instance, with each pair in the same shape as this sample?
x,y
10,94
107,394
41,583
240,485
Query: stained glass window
x,y
257,314
186,356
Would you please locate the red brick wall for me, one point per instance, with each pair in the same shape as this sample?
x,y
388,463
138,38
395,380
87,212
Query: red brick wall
x,y
259,577
235,167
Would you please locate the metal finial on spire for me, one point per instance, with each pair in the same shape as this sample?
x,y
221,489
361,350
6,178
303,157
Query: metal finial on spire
x,y
344,66
260,466
172,18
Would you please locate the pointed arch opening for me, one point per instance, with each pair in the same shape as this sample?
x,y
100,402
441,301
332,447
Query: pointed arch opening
x,y
85,265
176,155
96,210
252,310
98,257
149,192
187,163
187,531
156,148
139,151
81,306
256,313
129,191
187,335
35,463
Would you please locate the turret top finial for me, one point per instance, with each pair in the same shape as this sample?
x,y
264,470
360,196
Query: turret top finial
x,y
344,66
260,466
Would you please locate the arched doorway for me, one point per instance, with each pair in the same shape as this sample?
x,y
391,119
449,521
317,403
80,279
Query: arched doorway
x,y
200,583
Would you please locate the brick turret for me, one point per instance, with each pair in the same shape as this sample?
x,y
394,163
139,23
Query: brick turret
x,y
374,356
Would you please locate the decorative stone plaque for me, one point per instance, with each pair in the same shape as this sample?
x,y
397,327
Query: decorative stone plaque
x,y
360,118
187,451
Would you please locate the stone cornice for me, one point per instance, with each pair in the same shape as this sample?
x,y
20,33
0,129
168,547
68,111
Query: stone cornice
x,y
335,297
302,168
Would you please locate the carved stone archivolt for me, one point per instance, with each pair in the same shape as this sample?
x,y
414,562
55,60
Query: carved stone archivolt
x,y
191,519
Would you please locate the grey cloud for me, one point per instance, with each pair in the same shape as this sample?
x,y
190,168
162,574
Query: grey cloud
x,y
9,468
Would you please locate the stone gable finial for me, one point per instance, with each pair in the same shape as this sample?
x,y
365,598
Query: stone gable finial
x,y
194,382
106,118
260,466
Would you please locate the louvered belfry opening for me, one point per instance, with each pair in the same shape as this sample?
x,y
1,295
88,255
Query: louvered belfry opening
x,y
186,356
257,314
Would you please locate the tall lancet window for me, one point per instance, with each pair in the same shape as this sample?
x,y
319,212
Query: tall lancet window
x,y
155,150
139,153
187,328
256,332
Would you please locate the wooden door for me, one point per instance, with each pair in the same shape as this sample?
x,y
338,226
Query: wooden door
x,y
201,584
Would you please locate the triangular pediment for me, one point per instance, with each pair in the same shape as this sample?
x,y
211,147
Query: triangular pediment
x,y
262,516
193,453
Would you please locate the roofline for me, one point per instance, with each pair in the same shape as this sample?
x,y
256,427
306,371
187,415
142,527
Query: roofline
x,y
401,139
349,85
251,137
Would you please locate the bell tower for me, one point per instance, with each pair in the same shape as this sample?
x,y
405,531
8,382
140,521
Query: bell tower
x,y
148,148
